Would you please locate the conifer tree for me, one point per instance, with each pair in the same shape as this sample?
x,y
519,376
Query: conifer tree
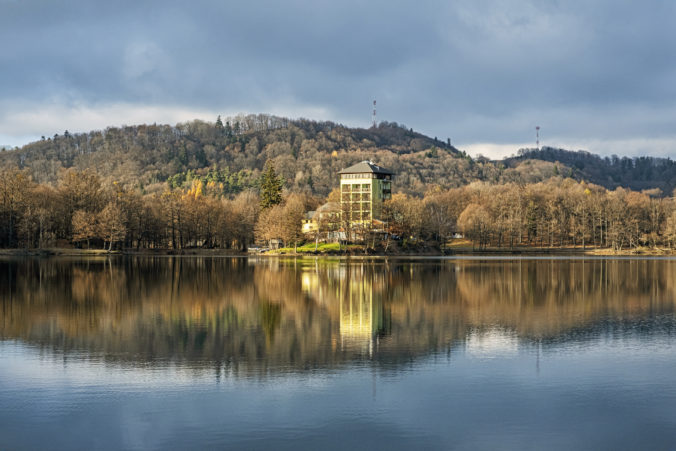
x,y
271,187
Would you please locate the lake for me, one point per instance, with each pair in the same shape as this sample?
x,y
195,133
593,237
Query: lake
x,y
373,353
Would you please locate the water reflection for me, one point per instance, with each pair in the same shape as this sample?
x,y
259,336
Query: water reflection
x,y
248,315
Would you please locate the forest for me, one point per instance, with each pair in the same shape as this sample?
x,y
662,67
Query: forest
x,y
242,181
307,154
638,173
84,211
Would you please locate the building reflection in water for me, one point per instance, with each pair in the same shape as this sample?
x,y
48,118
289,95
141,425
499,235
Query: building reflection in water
x,y
363,319
254,315
358,291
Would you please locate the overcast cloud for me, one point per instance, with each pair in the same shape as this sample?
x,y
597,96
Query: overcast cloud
x,y
597,75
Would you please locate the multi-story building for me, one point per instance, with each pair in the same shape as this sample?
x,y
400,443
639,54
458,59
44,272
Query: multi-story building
x,y
363,188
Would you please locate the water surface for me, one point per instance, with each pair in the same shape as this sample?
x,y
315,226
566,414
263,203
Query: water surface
x,y
237,353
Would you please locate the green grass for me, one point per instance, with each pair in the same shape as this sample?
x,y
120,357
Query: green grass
x,y
310,247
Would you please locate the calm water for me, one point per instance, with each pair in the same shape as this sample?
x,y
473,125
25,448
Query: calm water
x,y
163,353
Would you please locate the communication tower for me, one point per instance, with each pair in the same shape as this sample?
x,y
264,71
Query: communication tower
x,y
374,115
537,137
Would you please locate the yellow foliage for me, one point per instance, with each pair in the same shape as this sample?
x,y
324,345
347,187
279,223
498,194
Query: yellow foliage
x,y
196,189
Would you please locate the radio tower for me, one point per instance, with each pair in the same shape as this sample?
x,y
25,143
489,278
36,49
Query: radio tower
x,y
374,115
537,137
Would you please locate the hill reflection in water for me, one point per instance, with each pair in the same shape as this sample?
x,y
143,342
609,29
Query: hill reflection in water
x,y
260,316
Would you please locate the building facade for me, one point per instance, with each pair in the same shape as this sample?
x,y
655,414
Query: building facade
x,y
363,189
325,221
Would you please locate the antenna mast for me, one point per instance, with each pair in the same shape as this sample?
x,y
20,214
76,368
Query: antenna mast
x,y
374,115
537,137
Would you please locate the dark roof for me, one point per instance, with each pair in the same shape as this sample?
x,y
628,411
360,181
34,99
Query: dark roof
x,y
366,167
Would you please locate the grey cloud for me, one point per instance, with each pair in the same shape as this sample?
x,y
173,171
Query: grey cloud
x,y
476,70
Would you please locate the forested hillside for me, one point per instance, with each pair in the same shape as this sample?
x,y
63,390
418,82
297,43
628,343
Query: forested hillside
x,y
307,154
250,179
639,173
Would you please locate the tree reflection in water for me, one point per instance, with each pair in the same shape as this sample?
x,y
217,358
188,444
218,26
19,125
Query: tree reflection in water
x,y
262,315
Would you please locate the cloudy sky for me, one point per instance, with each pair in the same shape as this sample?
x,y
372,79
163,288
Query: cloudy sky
x,y
593,74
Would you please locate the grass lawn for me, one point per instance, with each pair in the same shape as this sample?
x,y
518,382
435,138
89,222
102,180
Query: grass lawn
x,y
310,247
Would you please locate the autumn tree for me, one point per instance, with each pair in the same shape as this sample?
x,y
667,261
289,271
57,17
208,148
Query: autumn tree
x,y
110,224
403,215
669,230
440,210
13,186
172,213
293,214
474,221
246,205
37,225
270,224
79,190
84,226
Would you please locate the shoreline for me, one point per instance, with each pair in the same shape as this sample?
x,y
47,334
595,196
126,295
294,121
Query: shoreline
x,y
455,251
67,252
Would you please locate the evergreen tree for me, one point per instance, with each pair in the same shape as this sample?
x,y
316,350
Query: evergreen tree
x,y
271,187
219,123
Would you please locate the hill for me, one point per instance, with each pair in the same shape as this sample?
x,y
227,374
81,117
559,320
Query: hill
x,y
308,154
200,185
639,173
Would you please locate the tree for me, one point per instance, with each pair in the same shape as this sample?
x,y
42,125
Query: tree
x,y
293,213
474,222
13,187
271,187
669,231
404,216
84,226
79,190
441,210
39,217
245,212
111,225
172,213
269,224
